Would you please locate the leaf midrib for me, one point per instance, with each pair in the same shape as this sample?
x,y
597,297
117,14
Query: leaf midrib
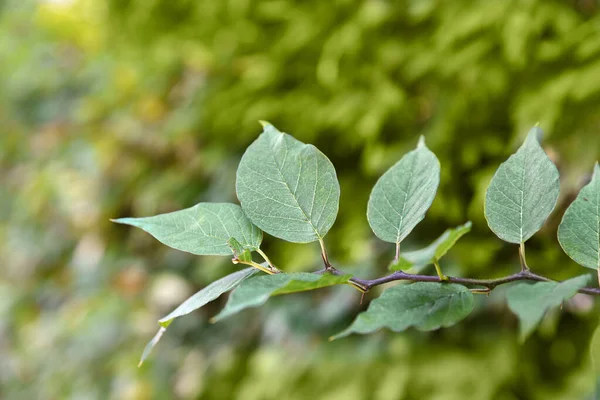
x,y
597,215
175,226
410,178
278,168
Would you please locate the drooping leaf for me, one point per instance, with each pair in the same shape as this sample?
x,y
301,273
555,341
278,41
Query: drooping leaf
x,y
435,251
424,305
531,301
579,231
199,299
202,229
208,294
239,252
153,342
256,291
287,188
403,194
522,192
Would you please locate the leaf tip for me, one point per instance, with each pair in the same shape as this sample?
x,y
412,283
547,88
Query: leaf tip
x,y
421,142
339,335
269,128
535,133
126,221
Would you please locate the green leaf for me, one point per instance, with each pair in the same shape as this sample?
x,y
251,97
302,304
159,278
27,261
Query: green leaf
x,y
424,305
402,195
239,253
595,352
256,291
579,231
204,296
522,193
287,188
202,229
531,301
435,251
208,294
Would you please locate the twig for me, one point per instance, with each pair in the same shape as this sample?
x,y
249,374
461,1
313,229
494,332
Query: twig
x,y
486,283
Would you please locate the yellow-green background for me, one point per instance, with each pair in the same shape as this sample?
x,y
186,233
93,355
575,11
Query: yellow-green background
x,y
136,107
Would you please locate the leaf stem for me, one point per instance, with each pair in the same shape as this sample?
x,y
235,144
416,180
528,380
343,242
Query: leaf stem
x,y
438,269
397,256
264,256
522,259
264,269
324,255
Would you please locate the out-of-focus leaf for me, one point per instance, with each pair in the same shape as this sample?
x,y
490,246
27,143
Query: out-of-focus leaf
x,y
256,291
579,231
522,192
199,299
153,342
595,357
287,188
435,251
424,305
531,301
403,194
208,294
202,229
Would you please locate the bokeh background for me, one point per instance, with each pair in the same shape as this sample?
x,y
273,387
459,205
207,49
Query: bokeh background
x,y
137,107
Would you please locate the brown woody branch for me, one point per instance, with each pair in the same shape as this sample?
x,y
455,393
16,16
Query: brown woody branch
x,y
488,284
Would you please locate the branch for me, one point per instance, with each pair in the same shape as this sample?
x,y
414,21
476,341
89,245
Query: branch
x,y
489,284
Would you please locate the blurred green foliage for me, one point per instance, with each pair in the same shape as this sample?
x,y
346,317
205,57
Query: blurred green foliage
x,y
132,108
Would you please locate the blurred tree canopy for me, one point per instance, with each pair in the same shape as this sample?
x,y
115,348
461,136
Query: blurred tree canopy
x,y
136,107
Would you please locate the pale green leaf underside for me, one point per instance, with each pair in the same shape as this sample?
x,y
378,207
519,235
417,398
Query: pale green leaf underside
x,y
287,188
435,251
201,298
208,294
202,229
403,194
579,231
522,192
256,291
424,305
531,301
